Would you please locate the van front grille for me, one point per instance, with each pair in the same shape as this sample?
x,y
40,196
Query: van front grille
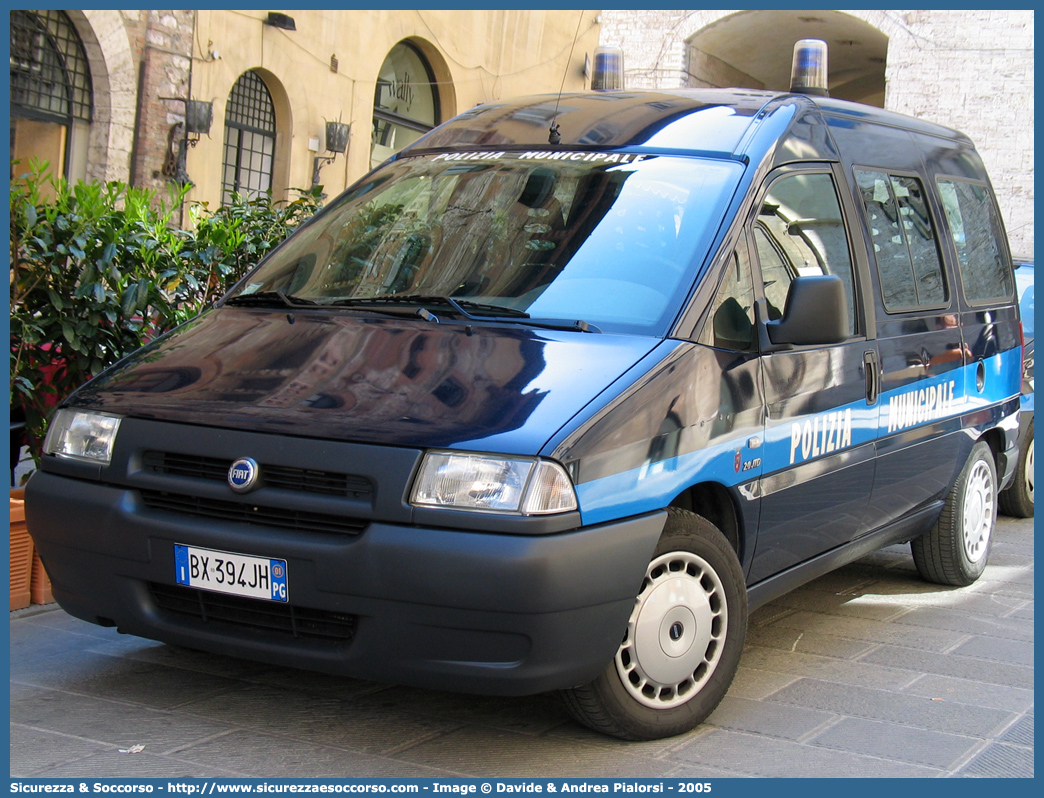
x,y
280,517
275,476
265,616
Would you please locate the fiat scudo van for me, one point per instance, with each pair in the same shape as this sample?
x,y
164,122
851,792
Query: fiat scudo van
x,y
555,397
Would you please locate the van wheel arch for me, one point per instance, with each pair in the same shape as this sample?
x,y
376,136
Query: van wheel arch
x,y
712,500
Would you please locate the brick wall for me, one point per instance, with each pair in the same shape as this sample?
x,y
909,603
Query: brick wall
x,y
165,69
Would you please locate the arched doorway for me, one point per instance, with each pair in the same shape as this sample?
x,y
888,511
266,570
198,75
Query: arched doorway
x,y
754,49
250,139
406,103
52,99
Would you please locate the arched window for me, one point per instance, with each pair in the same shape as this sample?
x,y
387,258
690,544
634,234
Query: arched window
x,y
51,95
250,131
406,104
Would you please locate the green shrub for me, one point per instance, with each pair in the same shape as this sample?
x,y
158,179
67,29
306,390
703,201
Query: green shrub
x,y
100,269
227,242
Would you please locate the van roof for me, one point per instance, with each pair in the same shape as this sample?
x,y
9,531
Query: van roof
x,y
709,121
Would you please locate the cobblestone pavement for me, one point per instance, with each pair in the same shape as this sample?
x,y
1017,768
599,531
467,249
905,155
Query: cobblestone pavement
x,y
865,672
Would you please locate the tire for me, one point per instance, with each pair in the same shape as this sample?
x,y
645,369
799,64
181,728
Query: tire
x,y
955,550
1017,499
683,641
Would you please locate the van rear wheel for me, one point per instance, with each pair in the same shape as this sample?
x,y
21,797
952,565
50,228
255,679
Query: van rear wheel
x,y
682,645
955,550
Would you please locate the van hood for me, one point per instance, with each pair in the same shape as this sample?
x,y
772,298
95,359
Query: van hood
x,y
328,375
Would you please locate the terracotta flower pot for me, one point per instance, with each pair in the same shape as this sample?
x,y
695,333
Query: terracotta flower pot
x,y
40,583
21,553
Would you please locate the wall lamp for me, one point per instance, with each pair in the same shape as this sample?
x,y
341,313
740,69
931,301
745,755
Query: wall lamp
x,y
277,20
199,114
336,142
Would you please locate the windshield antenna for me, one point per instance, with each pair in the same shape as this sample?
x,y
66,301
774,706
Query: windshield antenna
x,y
553,134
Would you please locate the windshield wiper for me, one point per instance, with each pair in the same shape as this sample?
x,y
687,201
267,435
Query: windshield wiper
x,y
462,307
576,325
413,300
263,298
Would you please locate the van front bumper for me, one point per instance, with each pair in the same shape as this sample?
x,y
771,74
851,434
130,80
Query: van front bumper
x,y
441,608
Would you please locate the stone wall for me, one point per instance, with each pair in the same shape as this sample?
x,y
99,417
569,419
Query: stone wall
x,y
165,72
705,71
972,70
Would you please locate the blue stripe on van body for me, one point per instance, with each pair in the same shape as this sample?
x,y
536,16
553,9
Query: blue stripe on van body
x,y
793,442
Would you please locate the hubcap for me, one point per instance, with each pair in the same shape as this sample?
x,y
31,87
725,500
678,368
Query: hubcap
x,y
979,497
676,632
1029,471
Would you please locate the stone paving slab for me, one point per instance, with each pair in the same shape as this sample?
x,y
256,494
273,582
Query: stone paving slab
x,y
143,683
114,723
902,743
255,754
969,623
922,713
951,664
805,642
758,755
33,750
319,719
829,668
866,672
136,766
997,650
787,722
975,692
489,753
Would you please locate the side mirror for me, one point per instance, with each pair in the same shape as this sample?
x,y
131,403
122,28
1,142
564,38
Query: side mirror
x,y
816,313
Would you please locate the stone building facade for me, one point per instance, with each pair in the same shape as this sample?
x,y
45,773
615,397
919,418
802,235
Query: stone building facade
x,y
971,70
271,80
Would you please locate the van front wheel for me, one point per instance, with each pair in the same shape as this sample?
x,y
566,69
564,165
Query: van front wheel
x,y
955,550
683,640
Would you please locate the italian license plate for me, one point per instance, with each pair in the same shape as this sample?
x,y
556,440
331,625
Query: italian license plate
x,y
226,572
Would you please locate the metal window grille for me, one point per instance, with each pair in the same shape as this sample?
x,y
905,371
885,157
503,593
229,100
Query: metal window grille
x,y
250,130
50,79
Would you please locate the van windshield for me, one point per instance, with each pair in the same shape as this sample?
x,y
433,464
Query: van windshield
x,y
611,239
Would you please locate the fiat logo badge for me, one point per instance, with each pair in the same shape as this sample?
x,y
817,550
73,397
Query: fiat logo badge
x,y
243,474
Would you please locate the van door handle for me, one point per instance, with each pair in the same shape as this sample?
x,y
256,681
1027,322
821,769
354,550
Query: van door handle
x,y
872,375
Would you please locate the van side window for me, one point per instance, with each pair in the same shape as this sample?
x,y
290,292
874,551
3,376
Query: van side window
x,y
976,230
904,241
800,231
730,324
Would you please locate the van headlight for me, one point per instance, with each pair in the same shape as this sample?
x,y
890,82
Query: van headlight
x,y
82,435
525,486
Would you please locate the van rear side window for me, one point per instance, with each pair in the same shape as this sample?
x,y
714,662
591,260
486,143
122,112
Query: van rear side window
x,y
976,230
904,241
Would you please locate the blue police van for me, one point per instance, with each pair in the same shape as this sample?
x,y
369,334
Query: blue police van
x,y
554,398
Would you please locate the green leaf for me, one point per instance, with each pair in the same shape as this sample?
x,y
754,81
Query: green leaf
x,y
130,299
56,300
